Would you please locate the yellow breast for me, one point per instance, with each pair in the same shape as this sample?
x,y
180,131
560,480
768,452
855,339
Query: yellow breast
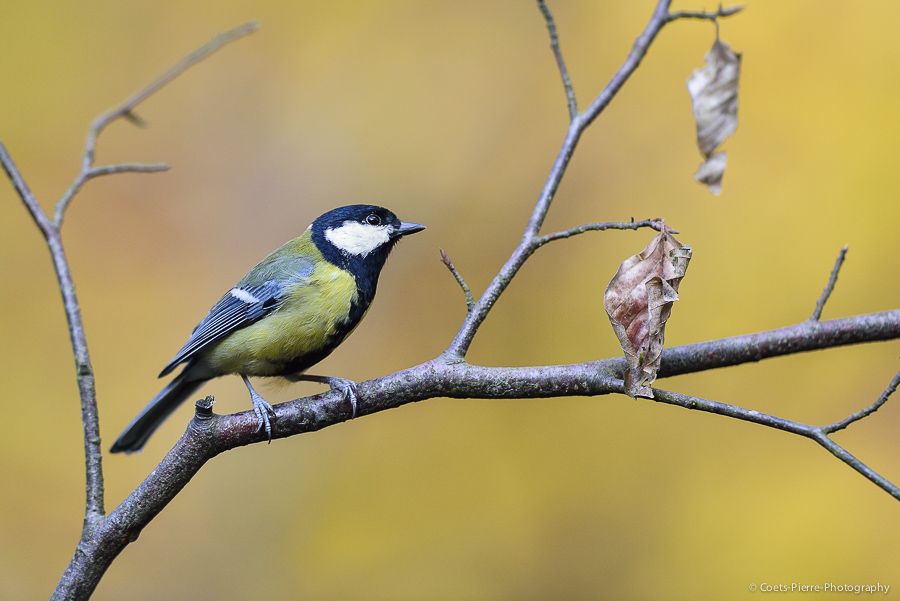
x,y
305,323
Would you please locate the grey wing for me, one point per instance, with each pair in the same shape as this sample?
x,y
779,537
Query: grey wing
x,y
242,306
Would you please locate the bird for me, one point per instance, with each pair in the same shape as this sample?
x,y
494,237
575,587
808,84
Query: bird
x,y
287,314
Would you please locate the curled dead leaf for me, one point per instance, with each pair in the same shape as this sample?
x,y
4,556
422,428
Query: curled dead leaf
x,y
711,172
714,98
639,302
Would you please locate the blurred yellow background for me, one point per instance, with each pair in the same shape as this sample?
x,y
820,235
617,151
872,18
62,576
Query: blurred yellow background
x,y
451,113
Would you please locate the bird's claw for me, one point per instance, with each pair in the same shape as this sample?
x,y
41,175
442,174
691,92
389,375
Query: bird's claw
x,y
262,409
347,389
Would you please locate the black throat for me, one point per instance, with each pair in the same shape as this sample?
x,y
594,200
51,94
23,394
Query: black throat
x,y
364,269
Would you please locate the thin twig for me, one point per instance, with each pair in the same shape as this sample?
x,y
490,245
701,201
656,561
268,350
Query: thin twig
x,y
126,109
764,419
83,371
845,456
829,288
127,168
722,12
24,192
470,302
656,223
881,400
557,53
93,172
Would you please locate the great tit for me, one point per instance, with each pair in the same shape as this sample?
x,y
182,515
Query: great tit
x,y
285,316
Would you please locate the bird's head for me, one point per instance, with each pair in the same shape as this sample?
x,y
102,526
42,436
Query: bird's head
x,y
359,238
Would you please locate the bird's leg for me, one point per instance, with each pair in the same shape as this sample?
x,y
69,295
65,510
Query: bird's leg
x,y
261,408
347,387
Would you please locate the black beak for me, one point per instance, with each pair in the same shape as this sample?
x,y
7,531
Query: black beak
x,y
407,228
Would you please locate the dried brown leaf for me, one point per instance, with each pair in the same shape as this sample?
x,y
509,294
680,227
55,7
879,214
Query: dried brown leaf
x,y
714,97
711,172
639,302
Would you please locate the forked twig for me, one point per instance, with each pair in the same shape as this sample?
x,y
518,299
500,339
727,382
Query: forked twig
x,y
126,111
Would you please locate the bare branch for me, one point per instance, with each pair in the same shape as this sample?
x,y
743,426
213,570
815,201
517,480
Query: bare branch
x,y
557,53
881,400
722,12
463,339
77,581
83,370
127,168
470,302
829,288
579,122
126,109
93,172
842,454
641,45
764,419
656,223
24,192
802,337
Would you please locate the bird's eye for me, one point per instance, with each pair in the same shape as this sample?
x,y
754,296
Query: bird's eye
x,y
373,219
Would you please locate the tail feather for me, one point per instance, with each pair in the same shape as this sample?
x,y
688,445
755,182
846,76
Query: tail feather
x,y
136,434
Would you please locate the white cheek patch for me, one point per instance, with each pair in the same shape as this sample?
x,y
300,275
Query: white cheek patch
x,y
358,238
243,295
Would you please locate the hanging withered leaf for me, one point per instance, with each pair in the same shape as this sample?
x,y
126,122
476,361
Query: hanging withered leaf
x,y
714,97
639,301
711,172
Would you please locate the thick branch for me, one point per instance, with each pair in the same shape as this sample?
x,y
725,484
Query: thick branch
x,y
123,525
209,435
805,336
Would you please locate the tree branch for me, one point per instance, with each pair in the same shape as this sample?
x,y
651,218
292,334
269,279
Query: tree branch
x,y
83,371
655,223
829,288
804,336
208,435
470,302
815,433
126,110
722,12
24,192
560,63
579,122
855,417
83,572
